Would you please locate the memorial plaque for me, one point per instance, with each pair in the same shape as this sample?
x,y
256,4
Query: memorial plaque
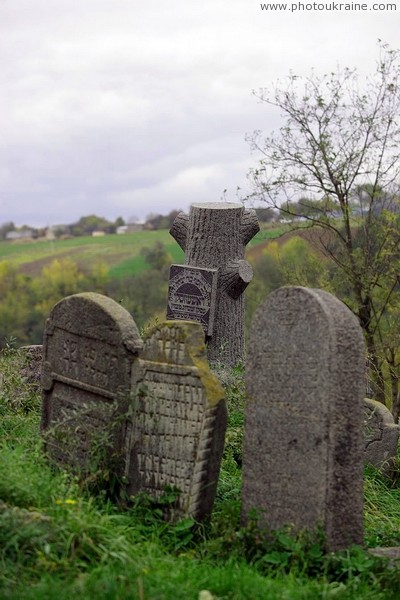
x,y
90,344
176,434
191,295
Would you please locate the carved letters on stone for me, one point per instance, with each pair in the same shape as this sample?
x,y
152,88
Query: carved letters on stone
x,y
191,295
90,344
176,433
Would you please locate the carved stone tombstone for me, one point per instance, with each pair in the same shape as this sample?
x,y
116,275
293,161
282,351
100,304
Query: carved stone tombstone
x,y
31,369
209,287
176,433
381,435
90,345
303,445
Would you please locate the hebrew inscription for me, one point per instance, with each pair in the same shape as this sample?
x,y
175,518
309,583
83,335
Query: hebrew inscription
x,y
191,295
176,433
90,344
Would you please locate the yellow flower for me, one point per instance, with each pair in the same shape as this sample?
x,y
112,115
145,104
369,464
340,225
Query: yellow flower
x,y
70,501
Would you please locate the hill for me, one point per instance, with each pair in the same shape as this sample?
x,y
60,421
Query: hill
x,y
120,253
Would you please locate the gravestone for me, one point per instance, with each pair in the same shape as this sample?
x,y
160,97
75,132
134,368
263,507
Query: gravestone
x,y
381,435
32,367
209,287
303,446
175,436
90,345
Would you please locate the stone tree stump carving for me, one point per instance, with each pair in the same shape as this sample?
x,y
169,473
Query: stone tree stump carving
x,y
209,287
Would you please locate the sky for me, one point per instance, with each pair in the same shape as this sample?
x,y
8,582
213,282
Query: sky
x,y
132,107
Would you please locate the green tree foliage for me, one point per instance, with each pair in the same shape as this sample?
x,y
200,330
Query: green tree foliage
x,y
157,221
294,261
5,228
25,303
156,256
301,265
266,215
340,145
15,304
86,225
61,278
145,295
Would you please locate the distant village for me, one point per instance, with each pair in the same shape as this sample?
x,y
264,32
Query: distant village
x,y
88,225
99,226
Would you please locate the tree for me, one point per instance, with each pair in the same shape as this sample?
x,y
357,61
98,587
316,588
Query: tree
x,y
156,256
265,215
339,143
15,304
5,228
86,225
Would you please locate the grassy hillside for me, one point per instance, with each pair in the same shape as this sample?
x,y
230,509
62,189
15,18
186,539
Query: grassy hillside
x,y
132,269
121,253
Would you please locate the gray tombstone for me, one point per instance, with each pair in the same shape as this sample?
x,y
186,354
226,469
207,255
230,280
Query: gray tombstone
x,y
32,367
381,435
90,344
176,433
209,288
303,446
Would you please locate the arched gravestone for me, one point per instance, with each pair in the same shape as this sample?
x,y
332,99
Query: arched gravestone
x,y
381,436
303,444
90,345
176,432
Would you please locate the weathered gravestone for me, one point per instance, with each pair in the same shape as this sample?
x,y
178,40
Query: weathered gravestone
x,y
381,435
31,369
209,287
90,345
303,445
176,433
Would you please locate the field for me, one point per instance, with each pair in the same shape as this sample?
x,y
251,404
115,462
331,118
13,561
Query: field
x,y
120,253
61,540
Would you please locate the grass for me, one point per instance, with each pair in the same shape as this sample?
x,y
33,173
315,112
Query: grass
x,y
57,541
121,253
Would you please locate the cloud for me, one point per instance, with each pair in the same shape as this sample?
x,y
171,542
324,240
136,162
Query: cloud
x,y
119,107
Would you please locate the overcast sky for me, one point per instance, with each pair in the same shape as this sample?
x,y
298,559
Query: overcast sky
x,y
127,107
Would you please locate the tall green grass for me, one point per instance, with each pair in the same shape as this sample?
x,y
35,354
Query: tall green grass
x,y
57,541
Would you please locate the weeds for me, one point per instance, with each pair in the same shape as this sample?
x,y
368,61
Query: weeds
x,y
16,395
59,540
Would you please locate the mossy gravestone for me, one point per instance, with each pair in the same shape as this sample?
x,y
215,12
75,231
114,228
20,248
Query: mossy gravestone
x,y
381,436
90,345
303,441
176,433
